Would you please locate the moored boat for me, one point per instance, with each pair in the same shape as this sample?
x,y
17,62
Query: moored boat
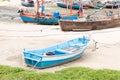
x,y
74,6
57,54
92,21
72,25
96,5
28,3
42,18
46,19
112,4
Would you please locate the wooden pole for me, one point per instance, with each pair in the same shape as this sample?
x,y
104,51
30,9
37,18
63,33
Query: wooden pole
x,y
71,4
42,2
66,2
36,5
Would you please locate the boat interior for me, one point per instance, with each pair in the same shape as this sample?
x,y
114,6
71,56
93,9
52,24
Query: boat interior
x,y
68,47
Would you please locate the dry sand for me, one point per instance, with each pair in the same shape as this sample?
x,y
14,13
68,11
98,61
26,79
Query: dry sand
x,y
15,36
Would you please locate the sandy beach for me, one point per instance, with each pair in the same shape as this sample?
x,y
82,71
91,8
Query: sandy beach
x,y
16,35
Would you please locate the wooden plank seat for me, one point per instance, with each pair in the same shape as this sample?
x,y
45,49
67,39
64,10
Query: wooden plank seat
x,y
61,51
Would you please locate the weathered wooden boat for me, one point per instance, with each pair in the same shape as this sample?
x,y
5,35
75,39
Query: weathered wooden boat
x,y
74,6
27,3
90,24
57,54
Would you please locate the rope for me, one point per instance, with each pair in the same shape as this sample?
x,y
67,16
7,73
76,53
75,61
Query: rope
x,y
37,63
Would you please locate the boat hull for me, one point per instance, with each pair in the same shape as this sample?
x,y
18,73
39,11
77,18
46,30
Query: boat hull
x,y
112,6
50,63
70,25
63,52
46,20
95,7
42,20
28,4
63,5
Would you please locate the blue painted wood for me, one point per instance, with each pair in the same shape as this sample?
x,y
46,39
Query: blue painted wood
x,y
63,52
72,17
28,4
48,21
64,6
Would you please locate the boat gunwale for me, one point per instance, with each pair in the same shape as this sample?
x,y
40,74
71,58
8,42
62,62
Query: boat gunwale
x,y
91,20
42,55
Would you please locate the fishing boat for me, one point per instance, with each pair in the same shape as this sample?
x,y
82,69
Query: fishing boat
x,y
46,19
76,25
27,3
57,54
74,6
110,6
93,21
96,5
84,24
42,18
114,4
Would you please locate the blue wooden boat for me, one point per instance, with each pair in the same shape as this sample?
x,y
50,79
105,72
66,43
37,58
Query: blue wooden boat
x,y
57,54
46,19
42,18
28,3
74,6
96,6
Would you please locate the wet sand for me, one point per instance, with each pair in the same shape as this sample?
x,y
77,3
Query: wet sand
x,y
16,35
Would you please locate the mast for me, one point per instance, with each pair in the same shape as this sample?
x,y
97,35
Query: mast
x,y
71,4
41,7
42,2
36,5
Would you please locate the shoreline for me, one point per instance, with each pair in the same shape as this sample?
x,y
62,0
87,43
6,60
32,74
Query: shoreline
x,y
15,37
